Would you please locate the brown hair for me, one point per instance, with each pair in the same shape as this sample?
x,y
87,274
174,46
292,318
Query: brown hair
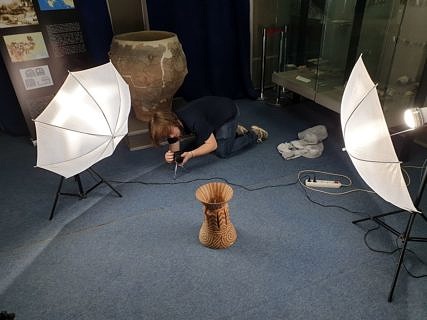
x,y
160,125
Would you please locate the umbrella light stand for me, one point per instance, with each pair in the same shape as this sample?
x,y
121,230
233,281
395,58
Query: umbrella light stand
x,y
82,194
59,193
369,146
404,236
83,124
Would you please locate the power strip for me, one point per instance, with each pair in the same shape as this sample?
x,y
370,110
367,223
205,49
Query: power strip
x,y
323,184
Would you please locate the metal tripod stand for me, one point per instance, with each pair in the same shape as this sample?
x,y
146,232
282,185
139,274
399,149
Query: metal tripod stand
x,y
404,236
81,194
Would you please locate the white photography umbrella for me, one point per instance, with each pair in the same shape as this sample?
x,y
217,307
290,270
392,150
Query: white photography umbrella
x,y
367,139
84,122
368,143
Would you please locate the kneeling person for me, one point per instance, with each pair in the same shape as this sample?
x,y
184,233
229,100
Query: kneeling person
x,y
214,122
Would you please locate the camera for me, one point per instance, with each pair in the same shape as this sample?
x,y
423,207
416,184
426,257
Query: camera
x,y
4,315
172,140
177,156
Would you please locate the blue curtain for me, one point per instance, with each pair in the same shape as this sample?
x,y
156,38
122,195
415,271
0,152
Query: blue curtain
x,y
215,36
97,30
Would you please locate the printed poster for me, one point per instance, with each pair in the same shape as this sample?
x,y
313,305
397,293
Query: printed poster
x,y
40,41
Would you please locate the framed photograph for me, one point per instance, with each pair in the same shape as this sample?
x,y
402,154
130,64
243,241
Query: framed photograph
x,y
46,5
16,13
26,46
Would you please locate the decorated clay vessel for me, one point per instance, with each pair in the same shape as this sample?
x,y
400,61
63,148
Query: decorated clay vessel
x,y
217,230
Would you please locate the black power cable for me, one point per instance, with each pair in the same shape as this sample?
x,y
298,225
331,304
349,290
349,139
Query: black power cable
x,y
392,252
206,179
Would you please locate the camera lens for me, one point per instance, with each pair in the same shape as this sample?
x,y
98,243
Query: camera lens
x,y
177,156
172,140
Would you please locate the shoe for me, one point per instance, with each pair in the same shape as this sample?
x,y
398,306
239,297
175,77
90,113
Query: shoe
x,y
261,134
241,130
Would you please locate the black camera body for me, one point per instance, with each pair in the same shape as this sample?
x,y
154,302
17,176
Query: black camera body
x,y
172,140
177,156
4,315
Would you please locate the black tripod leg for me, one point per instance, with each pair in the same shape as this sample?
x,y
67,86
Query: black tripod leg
x,y
423,216
79,183
58,193
112,188
106,182
377,216
402,254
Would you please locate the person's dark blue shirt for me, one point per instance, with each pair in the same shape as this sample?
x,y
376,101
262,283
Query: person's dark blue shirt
x,y
205,115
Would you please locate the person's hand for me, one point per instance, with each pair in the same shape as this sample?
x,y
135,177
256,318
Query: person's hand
x,y
169,156
186,156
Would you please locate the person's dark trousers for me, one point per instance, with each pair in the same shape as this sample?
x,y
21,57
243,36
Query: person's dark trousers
x,y
228,142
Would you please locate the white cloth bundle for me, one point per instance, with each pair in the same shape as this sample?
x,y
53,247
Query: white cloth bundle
x,y
309,146
314,135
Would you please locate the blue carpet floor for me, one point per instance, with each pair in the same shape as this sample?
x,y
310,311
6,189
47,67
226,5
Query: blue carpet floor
x,y
139,257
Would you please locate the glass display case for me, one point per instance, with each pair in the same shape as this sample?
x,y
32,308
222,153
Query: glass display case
x,y
340,23
401,70
328,36
304,39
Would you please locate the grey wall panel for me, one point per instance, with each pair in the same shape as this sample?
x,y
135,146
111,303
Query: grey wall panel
x,y
128,15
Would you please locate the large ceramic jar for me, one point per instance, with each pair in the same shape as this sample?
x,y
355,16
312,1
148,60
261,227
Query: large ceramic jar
x,y
153,64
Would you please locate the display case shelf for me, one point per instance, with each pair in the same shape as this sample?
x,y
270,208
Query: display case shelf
x,y
322,52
